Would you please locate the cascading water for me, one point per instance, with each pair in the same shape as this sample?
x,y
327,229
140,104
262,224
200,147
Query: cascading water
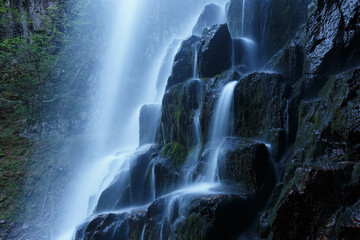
x,y
219,128
116,117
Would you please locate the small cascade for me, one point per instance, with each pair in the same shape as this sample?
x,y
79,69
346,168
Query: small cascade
x,y
244,53
243,19
219,128
193,158
143,233
152,183
195,48
274,164
287,121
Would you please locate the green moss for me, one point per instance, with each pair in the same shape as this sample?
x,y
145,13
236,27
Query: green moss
x,y
195,227
175,152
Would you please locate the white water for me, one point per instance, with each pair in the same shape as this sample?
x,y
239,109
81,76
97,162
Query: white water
x,y
219,128
121,93
243,19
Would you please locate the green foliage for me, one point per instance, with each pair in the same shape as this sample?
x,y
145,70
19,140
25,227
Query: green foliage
x,y
175,152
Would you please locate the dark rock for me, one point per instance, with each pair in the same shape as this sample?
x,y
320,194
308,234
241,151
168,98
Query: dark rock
x,y
212,91
113,226
117,194
333,37
273,25
138,167
165,70
148,123
199,217
260,108
244,53
329,125
307,201
212,14
290,60
178,109
183,67
244,165
215,51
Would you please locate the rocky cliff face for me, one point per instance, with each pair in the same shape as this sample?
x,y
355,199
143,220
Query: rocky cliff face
x,y
303,102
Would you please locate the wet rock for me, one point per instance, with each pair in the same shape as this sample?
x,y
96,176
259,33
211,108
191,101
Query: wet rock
x,y
113,226
329,125
178,109
290,60
333,35
308,200
244,54
275,23
148,123
183,66
212,91
212,14
260,104
243,164
117,194
138,168
215,216
215,51
167,170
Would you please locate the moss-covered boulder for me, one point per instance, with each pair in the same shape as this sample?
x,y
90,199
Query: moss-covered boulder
x,y
215,51
244,165
183,66
178,109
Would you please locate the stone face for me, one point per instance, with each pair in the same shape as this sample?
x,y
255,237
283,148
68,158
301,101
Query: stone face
x,y
329,125
273,25
309,200
183,67
244,165
215,51
260,108
178,109
290,60
333,37
212,14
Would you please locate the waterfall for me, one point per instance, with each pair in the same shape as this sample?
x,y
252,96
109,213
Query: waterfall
x,y
219,128
134,74
243,19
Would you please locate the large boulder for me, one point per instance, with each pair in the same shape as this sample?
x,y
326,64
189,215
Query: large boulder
x,y
333,37
212,90
183,66
121,226
215,51
244,165
261,109
212,14
196,216
148,123
178,110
